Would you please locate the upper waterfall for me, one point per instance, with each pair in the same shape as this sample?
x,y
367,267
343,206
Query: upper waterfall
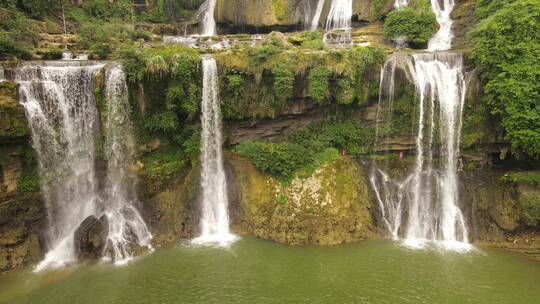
x,y
206,14
215,214
442,40
340,15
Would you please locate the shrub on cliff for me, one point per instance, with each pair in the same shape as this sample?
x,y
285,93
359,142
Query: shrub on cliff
x,y
506,48
415,24
280,160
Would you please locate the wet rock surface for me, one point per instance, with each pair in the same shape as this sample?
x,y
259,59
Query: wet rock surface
x,y
91,237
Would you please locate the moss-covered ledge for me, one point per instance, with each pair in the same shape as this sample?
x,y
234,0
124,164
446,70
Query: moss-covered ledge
x,y
331,206
12,119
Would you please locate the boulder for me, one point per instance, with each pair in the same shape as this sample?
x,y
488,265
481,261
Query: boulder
x,y
90,237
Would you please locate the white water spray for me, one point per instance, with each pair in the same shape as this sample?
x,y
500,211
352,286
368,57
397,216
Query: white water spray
x,y
435,215
401,3
59,102
126,226
215,214
206,14
442,40
338,24
340,15
429,195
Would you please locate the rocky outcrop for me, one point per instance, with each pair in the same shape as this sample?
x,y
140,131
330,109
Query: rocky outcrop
x,y
283,15
21,219
172,211
90,237
494,206
331,206
464,20
498,214
12,119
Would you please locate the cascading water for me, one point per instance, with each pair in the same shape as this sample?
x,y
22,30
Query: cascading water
x,y
442,40
338,23
313,14
125,224
401,3
59,102
340,15
215,215
2,77
428,197
206,14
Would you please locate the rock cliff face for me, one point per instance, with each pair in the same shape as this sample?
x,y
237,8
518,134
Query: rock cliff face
x,y
268,15
22,212
331,206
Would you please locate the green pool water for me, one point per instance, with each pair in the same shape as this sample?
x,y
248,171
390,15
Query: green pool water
x,y
255,271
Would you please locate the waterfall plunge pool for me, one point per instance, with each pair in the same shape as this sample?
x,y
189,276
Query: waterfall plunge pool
x,y
256,271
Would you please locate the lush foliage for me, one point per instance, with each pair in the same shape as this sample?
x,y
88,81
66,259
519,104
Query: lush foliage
x,y
256,82
170,78
524,177
530,206
280,160
283,83
318,83
416,24
506,47
308,40
305,150
17,34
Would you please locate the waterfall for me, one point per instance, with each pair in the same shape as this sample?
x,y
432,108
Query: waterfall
x,y
206,14
427,199
126,225
58,99
313,16
338,24
214,216
340,15
401,3
442,40
2,77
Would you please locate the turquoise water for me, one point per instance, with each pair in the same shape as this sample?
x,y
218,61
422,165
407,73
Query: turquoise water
x,y
256,271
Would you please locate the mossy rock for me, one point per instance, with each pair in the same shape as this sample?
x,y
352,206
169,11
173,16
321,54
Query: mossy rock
x,y
331,206
13,124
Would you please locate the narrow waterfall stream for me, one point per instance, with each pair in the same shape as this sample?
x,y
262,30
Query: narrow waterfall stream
x,y
442,40
214,223
427,200
126,226
314,24
59,102
206,14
